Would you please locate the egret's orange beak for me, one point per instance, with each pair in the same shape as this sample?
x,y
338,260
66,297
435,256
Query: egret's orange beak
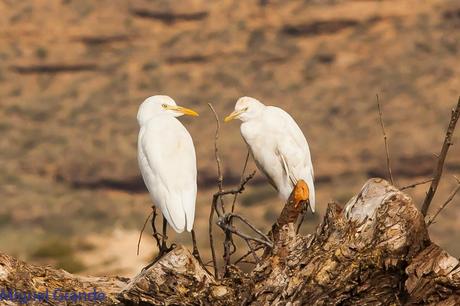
x,y
232,116
183,110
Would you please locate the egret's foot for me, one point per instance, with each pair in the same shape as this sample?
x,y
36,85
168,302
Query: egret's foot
x,y
150,264
163,251
196,254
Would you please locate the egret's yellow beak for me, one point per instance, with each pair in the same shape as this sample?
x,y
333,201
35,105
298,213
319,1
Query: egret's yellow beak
x,y
232,116
183,110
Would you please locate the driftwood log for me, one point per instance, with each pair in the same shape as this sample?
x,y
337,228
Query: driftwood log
x,y
373,251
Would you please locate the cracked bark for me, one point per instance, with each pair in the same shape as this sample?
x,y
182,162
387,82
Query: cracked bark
x,y
373,251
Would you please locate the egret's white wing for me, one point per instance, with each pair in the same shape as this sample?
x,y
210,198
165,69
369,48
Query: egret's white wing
x,y
258,164
287,171
293,150
168,165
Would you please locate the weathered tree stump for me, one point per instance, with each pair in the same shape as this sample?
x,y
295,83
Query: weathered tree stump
x,y
373,251
17,277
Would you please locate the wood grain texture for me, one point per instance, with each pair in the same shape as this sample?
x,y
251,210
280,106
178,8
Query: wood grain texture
x,y
373,251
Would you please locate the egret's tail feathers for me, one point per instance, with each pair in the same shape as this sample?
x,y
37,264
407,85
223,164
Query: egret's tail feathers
x,y
175,215
312,201
188,201
189,218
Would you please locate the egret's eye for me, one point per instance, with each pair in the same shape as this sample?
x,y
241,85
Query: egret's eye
x,y
246,108
164,105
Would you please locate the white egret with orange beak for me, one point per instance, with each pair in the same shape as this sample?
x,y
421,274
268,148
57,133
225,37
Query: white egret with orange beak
x,y
277,144
167,161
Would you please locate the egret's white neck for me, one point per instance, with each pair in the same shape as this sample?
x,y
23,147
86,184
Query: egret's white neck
x,y
144,119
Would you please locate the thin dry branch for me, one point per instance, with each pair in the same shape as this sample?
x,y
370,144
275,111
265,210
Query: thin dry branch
x,y
241,179
442,157
228,227
218,195
385,140
415,184
225,222
142,231
449,199
241,259
220,180
230,216
220,176
228,243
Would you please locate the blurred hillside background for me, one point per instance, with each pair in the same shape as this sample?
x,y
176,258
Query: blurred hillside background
x,y
73,73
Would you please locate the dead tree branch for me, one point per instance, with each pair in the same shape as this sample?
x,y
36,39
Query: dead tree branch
x,y
229,246
385,141
415,184
442,157
374,251
228,242
449,199
218,195
241,179
226,226
142,231
220,180
228,219
241,259
294,206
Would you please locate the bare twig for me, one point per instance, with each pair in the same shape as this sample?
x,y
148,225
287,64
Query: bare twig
x,y
241,259
220,177
226,226
415,184
385,140
228,242
220,180
142,231
211,242
241,179
228,245
449,199
230,216
253,252
218,195
224,221
442,157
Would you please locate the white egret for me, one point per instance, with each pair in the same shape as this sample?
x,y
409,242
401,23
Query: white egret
x,y
167,161
277,144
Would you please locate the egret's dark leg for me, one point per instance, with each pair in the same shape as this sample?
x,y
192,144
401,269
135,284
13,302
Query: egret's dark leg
x,y
164,238
155,234
162,245
159,238
195,251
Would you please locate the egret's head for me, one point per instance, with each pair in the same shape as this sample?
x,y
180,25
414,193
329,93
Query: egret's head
x,y
158,105
246,108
